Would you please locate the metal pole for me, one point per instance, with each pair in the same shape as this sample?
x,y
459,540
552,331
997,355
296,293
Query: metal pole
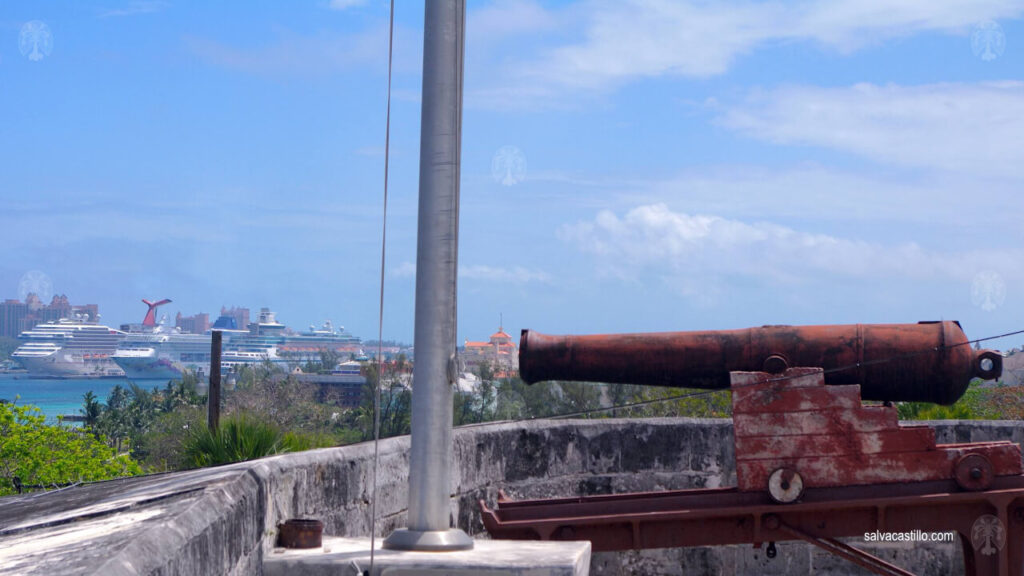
x,y
213,399
434,369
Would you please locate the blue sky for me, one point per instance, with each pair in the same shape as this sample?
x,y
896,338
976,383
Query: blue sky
x,y
678,165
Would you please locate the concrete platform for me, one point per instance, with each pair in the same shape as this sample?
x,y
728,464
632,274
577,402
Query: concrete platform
x,y
351,557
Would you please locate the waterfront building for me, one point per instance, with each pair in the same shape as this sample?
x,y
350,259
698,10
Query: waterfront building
x,y
240,316
12,318
17,317
197,324
499,351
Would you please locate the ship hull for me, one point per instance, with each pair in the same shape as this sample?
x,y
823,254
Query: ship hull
x,y
59,365
153,368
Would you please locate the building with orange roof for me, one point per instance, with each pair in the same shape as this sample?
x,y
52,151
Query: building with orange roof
x,y
500,351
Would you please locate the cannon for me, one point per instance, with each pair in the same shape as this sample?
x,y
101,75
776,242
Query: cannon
x,y
923,362
812,461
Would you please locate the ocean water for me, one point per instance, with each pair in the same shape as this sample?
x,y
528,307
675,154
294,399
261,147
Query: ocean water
x,y
57,397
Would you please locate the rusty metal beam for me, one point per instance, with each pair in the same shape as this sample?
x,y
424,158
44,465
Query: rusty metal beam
x,y
845,551
682,518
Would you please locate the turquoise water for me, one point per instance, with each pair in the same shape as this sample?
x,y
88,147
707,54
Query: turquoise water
x,y
55,397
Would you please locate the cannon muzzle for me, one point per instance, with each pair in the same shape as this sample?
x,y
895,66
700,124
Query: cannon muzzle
x,y
924,362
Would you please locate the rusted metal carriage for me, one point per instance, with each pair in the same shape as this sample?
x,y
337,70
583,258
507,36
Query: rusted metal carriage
x,y
813,462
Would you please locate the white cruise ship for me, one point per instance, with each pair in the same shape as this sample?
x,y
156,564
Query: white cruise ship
x,y
163,355
152,352
69,348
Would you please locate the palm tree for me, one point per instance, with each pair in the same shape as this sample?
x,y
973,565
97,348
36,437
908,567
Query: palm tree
x,y
91,409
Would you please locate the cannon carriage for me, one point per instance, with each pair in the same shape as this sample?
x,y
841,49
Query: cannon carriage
x,y
813,461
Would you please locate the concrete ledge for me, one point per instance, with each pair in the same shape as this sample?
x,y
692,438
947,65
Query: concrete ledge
x,y
222,521
351,556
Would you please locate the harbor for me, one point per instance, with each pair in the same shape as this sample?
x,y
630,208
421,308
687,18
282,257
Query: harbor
x,y
58,362
57,396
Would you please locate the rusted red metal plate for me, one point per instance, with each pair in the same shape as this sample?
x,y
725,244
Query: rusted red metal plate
x,y
754,400
857,469
777,427
871,419
904,440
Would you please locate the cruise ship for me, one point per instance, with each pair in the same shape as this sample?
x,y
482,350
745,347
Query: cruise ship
x,y
163,355
268,339
167,355
152,352
69,348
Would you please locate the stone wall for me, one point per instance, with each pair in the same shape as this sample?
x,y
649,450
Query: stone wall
x,y
194,529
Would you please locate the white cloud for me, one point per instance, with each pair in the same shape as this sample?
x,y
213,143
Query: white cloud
x,y
969,128
504,18
404,270
294,54
623,41
510,275
290,53
677,246
483,273
345,4
136,7
832,197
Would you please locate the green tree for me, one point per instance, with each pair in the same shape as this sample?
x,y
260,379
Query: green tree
x,y
576,397
91,409
395,400
998,402
35,455
130,413
656,401
329,359
163,443
480,404
517,400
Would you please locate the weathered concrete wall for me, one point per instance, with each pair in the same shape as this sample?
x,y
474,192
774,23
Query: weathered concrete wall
x,y
222,521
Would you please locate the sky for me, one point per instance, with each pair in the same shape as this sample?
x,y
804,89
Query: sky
x,y
627,166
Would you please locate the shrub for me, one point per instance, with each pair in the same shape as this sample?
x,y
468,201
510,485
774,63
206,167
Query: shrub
x,y
242,437
35,455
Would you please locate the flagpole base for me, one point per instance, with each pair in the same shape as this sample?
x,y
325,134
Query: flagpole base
x,y
428,540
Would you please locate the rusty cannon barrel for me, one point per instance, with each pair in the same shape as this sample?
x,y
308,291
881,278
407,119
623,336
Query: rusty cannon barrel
x,y
923,362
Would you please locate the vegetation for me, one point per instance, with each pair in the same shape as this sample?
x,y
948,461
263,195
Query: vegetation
x,y
34,455
157,425
395,400
130,413
997,402
240,437
327,360
268,412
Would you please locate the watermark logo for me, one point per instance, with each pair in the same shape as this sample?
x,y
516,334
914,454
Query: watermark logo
x,y
988,535
508,167
35,282
988,291
988,41
911,536
36,40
